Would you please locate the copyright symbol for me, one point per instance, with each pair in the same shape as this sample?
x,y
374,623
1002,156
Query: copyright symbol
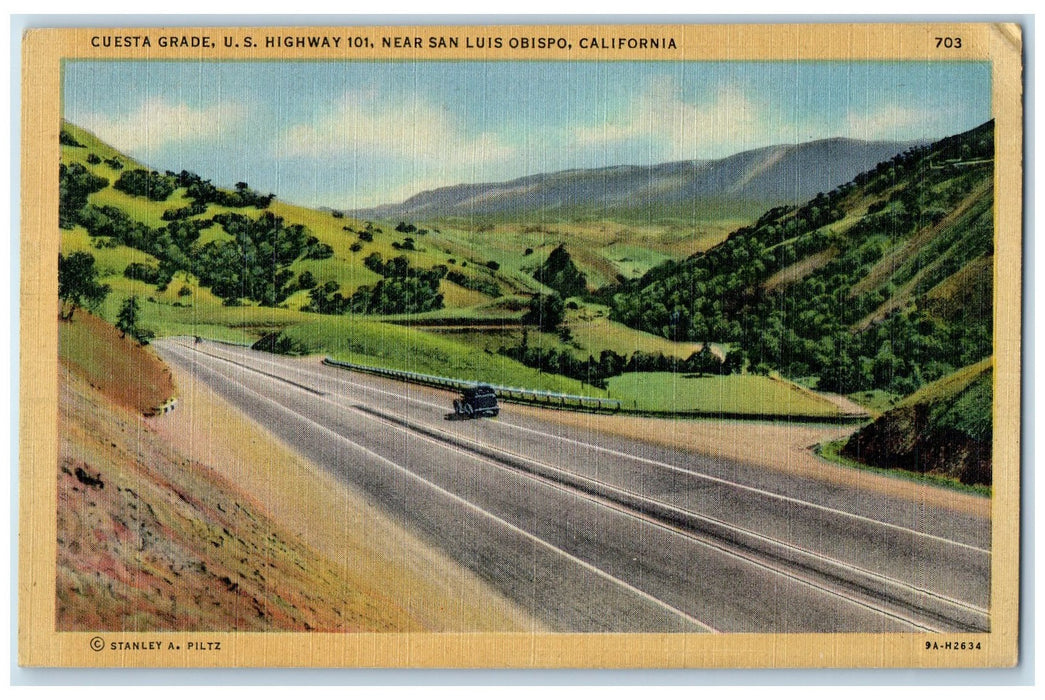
x,y
97,643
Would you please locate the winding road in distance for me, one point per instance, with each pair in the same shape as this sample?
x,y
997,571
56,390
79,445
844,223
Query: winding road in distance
x,y
593,532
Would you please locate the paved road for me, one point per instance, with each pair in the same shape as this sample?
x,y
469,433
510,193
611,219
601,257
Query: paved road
x,y
595,532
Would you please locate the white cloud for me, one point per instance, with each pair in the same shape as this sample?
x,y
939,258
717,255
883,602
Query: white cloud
x,y
413,129
673,128
896,122
159,123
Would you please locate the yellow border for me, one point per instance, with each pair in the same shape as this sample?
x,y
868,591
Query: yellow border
x,y
40,645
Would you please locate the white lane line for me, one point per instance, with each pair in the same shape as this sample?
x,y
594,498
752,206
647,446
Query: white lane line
x,y
590,567
664,465
762,492
840,594
722,548
725,549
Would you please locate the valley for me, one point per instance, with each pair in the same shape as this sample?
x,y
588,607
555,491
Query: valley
x,y
747,339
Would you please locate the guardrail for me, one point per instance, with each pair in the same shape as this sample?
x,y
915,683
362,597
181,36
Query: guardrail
x,y
505,393
578,403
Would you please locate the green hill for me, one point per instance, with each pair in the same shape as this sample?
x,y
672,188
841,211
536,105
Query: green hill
x,y
881,284
784,296
239,265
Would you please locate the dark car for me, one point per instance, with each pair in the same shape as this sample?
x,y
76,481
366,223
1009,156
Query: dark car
x,y
477,401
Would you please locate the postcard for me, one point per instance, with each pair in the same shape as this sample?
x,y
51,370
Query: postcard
x,y
550,346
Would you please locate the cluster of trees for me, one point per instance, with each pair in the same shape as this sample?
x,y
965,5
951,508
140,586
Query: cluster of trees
x,y
822,323
173,245
67,139
78,287
75,183
546,311
317,250
280,344
611,364
326,298
411,294
561,274
403,227
78,284
204,192
404,289
366,234
255,264
127,322
143,272
558,362
145,183
193,209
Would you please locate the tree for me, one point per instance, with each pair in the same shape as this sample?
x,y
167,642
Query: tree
x,y
78,284
734,362
75,183
559,273
704,362
145,183
545,311
127,322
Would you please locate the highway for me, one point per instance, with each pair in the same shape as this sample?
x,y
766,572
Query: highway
x,y
597,533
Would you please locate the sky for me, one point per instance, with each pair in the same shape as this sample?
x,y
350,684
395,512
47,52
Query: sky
x,y
356,134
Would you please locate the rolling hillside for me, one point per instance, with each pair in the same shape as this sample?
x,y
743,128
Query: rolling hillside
x,y
749,182
864,289
239,265
880,289
883,283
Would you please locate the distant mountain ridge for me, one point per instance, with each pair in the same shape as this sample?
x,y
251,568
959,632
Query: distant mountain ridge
x,y
755,179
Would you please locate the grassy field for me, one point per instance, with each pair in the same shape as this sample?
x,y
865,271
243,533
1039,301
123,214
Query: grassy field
x,y
354,339
947,388
876,401
734,395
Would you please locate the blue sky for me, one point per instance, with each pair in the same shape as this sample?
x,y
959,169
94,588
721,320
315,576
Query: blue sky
x,y
356,134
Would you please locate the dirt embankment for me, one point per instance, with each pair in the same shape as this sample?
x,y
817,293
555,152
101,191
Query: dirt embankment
x,y
906,438
945,429
126,373
196,521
